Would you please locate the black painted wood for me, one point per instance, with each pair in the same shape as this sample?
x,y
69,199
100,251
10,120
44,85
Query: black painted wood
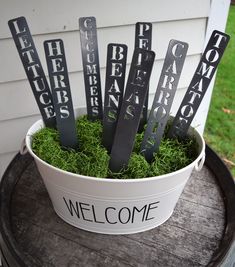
x,y
199,233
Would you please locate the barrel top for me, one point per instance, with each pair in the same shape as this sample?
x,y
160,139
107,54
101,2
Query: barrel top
x,y
199,233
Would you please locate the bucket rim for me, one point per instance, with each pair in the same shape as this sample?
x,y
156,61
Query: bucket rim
x,y
40,123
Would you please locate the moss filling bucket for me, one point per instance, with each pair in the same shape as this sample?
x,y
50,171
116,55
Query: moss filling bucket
x,y
111,205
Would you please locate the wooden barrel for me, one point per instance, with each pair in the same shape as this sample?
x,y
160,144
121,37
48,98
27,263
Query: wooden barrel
x,y
201,231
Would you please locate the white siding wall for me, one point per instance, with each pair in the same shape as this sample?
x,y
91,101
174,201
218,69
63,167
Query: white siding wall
x,y
186,20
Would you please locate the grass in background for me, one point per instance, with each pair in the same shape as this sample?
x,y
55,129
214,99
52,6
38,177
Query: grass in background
x,y
220,126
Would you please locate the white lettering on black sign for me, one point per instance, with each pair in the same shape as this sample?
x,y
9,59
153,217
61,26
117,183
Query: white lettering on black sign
x,y
129,118
114,88
199,84
164,96
143,39
91,67
58,73
33,68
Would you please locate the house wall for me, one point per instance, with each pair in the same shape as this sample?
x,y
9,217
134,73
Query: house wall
x,y
186,20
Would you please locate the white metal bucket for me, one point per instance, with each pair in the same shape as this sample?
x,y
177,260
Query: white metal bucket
x,y
113,206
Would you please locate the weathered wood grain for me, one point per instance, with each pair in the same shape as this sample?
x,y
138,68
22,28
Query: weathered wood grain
x,y
198,193
188,238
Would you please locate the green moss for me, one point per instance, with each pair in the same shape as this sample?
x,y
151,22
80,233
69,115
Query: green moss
x,y
92,159
172,156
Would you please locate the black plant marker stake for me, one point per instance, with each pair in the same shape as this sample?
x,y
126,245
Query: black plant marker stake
x,y
164,96
58,73
199,84
91,67
33,69
132,105
114,88
143,39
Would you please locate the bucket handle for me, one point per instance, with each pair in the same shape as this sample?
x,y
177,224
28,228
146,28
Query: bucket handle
x,y
199,164
23,148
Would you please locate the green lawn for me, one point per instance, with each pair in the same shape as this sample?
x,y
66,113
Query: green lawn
x,y
220,126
